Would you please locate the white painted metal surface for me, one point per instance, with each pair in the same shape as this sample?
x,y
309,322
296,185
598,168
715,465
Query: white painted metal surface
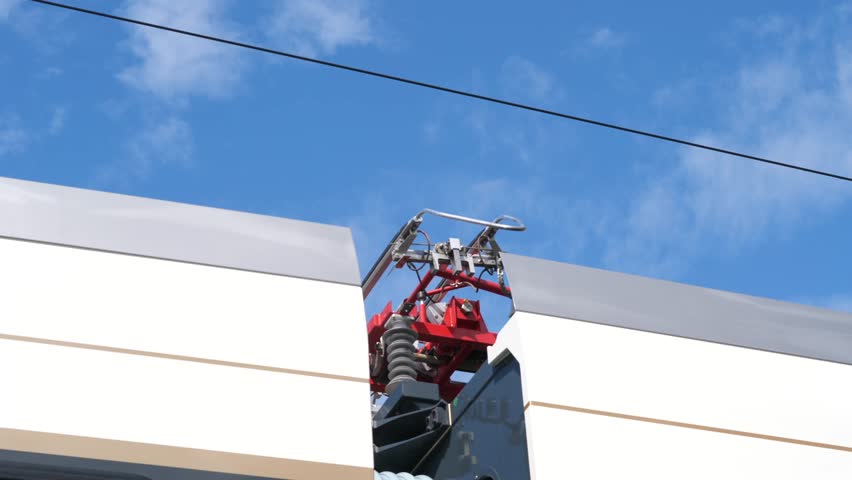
x,y
629,377
565,445
629,301
124,301
137,398
176,231
168,337
603,401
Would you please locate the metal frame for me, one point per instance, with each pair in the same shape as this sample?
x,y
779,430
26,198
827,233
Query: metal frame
x,y
124,224
398,248
628,301
487,438
458,340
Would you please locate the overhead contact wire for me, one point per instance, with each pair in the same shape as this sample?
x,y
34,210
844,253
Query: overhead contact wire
x,y
444,89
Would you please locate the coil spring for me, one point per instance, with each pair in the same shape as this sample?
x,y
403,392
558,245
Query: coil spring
x,y
398,476
399,340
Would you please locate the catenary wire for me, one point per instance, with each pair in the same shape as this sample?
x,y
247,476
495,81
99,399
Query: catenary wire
x,y
454,91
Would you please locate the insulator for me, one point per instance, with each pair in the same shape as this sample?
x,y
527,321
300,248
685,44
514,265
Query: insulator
x,y
398,476
435,312
399,340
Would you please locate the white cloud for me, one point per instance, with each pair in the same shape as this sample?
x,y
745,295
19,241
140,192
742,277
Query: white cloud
x,y
765,25
172,65
164,142
524,78
529,140
844,73
168,142
431,131
51,72
44,28
766,85
57,120
13,138
679,94
313,27
714,202
7,6
840,302
596,42
604,38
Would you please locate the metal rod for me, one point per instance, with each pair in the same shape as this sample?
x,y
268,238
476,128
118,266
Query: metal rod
x,y
430,359
479,283
476,245
405,235
421,286
448,288
519,227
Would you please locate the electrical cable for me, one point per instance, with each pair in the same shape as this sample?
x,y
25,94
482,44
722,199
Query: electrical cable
x,y
484,270
419,281
454,91
428,249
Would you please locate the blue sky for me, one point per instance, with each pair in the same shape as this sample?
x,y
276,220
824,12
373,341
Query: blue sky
x,y
92,103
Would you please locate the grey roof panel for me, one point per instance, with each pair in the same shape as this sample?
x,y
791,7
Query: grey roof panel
x,y
628,301
175,231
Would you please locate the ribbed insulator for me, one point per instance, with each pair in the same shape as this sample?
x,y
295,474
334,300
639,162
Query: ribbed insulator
x,y
398,476
399,340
